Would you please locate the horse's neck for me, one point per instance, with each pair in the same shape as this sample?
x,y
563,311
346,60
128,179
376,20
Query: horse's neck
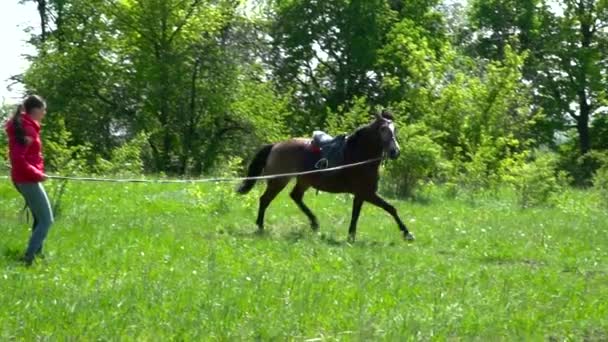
x,y
363,148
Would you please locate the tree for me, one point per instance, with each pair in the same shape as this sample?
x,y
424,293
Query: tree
x,y
566,64
574,79
327,52
168,69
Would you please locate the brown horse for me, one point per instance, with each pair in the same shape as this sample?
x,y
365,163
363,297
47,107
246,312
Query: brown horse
x,y
368,143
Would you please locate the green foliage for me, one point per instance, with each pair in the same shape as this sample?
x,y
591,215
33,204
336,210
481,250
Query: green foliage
x,y
600,178
332,52
479,172
536,181
4,164
580,167
125,160
5,113
478,111
505,23
230,167
599,130
600,181
420,160
410,63
477,118
206,80
61,154
218,198
359,114
263,109
167,70
569,86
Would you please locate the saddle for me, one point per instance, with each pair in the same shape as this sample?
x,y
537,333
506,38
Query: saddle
x,y
331,149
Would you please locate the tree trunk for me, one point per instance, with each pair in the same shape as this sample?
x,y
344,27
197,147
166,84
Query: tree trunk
x,y
42,10
193,119
582,126
582,120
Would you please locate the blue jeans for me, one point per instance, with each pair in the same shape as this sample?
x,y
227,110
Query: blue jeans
x,y
39,205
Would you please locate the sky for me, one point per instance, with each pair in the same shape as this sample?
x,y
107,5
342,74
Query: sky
x,y
14,18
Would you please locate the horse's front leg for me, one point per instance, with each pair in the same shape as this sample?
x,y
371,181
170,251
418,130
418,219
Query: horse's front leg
x,y
380,202
352,230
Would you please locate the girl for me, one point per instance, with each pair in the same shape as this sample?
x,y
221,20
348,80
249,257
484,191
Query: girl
x,y
27,169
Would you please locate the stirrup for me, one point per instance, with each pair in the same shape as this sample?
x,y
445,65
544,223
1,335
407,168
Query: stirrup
x,y
323,163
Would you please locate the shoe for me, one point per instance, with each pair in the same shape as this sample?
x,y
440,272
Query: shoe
x,y
27,260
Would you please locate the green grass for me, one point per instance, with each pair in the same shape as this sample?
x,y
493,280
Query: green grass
x,y
152,262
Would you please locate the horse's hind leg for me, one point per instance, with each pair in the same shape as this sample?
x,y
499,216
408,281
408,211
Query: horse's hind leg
x,y
273,188
297,194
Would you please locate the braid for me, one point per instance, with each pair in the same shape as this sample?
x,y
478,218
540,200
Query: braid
x,y
18,126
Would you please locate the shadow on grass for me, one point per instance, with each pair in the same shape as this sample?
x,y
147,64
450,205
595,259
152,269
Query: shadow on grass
x,y
295,236
511,261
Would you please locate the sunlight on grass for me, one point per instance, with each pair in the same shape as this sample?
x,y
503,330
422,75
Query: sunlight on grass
x,y
170,261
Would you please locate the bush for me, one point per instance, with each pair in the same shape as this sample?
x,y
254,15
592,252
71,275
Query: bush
x,y
219,198
5,112
420,160
534,178
580,167
478,170
600,182
3,154
600,178
479,173
125,160
61,155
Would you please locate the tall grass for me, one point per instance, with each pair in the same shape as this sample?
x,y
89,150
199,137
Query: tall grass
x,y
157,262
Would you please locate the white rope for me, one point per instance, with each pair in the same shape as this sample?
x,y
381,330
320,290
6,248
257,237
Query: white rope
x,y
209,180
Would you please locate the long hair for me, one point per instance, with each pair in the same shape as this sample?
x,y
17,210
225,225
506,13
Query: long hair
x,y
30,103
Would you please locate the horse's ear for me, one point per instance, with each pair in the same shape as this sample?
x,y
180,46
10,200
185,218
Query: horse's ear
x,y
387,115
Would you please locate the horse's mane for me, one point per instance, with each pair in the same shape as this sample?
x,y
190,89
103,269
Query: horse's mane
x,y
355,136
357,132
387,115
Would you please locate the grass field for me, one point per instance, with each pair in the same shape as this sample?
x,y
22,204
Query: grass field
x,y
154,262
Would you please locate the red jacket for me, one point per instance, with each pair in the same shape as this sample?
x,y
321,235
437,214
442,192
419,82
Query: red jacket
x,y
27,164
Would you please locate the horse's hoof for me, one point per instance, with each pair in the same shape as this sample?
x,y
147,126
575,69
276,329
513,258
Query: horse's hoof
x,y
409,237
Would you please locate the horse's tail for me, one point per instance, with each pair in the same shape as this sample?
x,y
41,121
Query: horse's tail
x,y
255,169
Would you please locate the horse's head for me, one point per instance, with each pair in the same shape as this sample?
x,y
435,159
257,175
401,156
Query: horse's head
x,y
385,126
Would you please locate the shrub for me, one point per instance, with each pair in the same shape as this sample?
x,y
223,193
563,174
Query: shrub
x,y
580,167
420,160
126,159
5,112
534,178
61,155
600,178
